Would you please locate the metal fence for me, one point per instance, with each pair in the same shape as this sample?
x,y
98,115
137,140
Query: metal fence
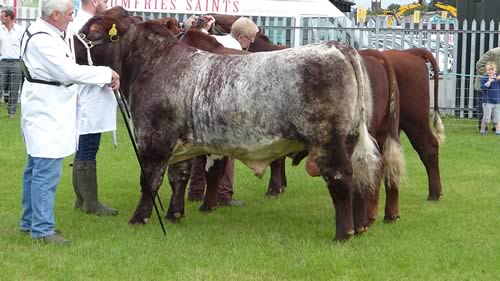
x,y
456,46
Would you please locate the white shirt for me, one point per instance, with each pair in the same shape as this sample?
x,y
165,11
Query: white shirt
x,y
228,41
96,105
48,113
10,41
80,20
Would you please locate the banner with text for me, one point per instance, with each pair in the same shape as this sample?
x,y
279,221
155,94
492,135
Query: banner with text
x,y
233,7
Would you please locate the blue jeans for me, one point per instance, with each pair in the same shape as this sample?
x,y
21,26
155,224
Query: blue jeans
x,y
40,180
88,145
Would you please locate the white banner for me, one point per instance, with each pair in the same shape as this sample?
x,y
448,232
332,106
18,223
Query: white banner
x,y
234,7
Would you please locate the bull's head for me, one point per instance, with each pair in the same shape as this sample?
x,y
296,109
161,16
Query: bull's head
x,y
101,35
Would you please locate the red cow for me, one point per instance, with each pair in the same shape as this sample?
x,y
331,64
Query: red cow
x,y
384,127
412,75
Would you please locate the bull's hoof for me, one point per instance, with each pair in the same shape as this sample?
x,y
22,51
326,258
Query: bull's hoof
x,y
434,198
344,236
137,220
275,192
174,217
204,208
371,221
270,194
391,219
362,229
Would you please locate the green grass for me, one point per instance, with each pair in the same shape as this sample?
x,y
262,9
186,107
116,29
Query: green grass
x,y
286,238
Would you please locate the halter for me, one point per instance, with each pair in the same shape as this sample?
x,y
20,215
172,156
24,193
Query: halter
x,y
113,37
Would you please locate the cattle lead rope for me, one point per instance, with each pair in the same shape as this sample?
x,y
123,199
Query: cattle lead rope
x,y
121,105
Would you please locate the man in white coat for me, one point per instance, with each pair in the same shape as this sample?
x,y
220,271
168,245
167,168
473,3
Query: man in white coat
x,y
97,110
49,113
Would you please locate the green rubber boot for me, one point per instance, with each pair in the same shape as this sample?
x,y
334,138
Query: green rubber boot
x,y
87,185
79,198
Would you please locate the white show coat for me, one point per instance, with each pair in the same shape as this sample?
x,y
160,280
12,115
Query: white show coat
x,y
96,105
48,113
228,41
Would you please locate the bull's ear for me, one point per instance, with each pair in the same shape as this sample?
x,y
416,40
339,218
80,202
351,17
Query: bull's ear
x,y
169,24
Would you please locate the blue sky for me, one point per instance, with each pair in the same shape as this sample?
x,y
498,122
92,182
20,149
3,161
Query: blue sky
x,y
385,3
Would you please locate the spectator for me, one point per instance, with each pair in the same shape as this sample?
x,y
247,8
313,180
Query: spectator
x,y
243,33
491,55
97,109
10,70
49,113
490,86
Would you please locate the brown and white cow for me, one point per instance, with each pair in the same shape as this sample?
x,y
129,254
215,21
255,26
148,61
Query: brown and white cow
x,y
185,102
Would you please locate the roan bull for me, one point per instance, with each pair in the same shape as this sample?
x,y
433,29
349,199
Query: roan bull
x,y
384,126
256,108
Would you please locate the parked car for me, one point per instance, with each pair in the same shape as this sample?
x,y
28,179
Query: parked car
x,y
442,52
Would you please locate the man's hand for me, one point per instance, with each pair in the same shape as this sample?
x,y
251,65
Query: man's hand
x,y
209,20
115,80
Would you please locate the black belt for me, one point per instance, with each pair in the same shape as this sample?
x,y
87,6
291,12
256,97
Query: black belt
x,y
10,60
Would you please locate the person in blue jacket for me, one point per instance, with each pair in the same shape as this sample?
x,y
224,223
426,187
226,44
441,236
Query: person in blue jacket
x,y
490,87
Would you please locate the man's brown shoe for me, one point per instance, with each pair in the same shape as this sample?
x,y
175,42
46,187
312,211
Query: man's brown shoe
x,y
54,239
232,203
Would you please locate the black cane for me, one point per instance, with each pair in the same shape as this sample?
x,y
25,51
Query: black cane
x,y
125,103
134,141
134,144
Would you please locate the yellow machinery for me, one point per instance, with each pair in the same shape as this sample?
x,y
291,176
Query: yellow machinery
x,y
397,14
452,10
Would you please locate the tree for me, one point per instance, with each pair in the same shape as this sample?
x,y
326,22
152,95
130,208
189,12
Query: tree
x,y
393,7
375,12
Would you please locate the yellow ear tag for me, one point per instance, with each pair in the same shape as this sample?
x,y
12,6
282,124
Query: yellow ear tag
x,y
113,34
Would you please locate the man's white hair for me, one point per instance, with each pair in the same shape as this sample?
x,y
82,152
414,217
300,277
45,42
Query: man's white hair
x,y
244,26
49,6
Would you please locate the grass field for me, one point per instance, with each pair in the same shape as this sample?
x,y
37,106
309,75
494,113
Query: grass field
x,y
285,238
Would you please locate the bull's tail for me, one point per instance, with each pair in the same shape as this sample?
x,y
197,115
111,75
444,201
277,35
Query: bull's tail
x,y
394,162
437,122
365,158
